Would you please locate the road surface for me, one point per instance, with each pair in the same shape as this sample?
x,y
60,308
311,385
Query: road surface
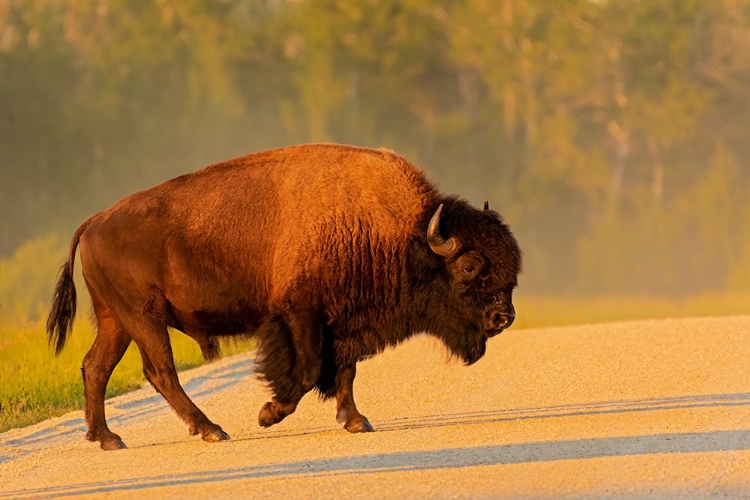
x,y
637,409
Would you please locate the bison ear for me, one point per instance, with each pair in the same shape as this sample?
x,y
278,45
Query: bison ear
x,y
438,244
486,205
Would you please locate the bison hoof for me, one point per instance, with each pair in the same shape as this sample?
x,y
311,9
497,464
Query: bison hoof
x,y
215,435
107,440
359,424
114,443
270,414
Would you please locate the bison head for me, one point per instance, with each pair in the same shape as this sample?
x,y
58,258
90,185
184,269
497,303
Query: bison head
x,y
481,261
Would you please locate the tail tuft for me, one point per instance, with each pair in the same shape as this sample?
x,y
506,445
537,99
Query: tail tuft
x,y
63,312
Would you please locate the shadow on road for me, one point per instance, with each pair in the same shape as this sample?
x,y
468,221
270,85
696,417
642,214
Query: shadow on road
x,y
614,407
545,451
568,410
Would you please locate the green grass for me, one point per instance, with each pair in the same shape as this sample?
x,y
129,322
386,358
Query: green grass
x,y
35,385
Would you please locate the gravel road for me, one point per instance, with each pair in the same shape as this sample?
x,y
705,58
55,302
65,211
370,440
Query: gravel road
x,y
637,409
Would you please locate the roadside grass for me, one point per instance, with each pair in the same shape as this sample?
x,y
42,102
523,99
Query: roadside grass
x,y
539,311
36,385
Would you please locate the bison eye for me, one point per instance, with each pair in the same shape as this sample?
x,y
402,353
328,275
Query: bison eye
x,y
468,268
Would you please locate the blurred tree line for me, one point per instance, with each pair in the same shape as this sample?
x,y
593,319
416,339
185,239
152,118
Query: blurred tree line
x,y
613,135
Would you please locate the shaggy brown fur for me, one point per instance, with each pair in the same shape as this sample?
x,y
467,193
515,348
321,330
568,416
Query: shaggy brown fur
x,y
319,251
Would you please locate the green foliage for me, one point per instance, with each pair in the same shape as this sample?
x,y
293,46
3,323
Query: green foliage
x,y
27,279
599,129
697,245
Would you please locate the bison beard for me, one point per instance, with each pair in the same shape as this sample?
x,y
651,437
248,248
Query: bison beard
x,y
325,254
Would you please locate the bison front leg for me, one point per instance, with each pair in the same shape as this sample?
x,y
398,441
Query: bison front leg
x,y
347,413
290,361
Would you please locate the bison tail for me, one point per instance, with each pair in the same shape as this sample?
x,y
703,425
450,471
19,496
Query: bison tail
x,y
63,311
60,320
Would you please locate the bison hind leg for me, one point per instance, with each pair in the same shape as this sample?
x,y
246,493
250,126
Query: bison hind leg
x,y
108,348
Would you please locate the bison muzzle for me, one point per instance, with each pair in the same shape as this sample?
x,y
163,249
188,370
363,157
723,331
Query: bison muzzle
x,y
325,254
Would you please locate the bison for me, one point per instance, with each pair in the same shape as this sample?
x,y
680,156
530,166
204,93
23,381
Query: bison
x,y
325,254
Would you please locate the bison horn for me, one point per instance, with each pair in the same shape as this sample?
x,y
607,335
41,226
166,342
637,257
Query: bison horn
x,y
438,244
486,205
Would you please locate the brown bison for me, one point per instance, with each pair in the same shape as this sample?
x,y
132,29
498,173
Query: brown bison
x,y
325,254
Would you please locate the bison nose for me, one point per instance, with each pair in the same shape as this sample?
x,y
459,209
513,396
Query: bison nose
x,y
498,319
